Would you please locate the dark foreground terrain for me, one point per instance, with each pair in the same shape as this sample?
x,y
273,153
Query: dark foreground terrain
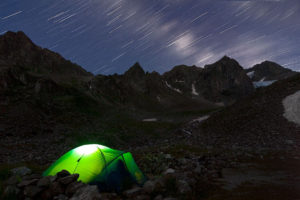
x,y
196,133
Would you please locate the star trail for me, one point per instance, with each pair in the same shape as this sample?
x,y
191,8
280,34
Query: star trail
x,y
109,36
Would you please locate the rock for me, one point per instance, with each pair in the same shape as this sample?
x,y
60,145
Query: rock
x,y
52,178
56,188
149,186
68,179
32,176
13,180
182,161
46,194
73,187
132,192
159,185
159,197
21,171
89,192
27,182
142,197
61,197
290,142
11,191
63,173
183,187
44,182
32,191
168,156
198,169
109,196
169,171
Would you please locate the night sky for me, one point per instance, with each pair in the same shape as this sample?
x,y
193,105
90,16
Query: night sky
x,y
109,36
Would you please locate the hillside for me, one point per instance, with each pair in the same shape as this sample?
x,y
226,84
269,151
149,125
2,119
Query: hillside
x,y
198,133
256,123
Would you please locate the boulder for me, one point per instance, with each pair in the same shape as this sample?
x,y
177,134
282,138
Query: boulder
x,y
32,176
11,190
159,197
21,171
68,179
44,182
109,196
32,191
63,173
159,185
183,187
169,171
132,192
13,180
168,156
73,187
142,197
52,178
27,182
198,169
61,197
56,188
89,192
46,194
149,186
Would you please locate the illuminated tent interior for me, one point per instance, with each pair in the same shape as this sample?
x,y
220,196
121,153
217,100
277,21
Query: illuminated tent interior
x,y
96,164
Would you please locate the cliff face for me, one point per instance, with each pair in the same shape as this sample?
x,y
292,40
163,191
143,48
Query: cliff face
x,y
224,81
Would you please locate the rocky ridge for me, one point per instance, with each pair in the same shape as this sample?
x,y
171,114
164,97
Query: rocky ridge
x,y
269,71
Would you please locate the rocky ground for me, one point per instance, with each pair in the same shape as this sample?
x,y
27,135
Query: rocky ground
x,y
234,159
244,151
176,176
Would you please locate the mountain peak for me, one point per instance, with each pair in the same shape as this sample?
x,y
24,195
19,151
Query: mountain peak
x,y
16,49
14,34
225,63
270,66
136,70
15,39
269,70
226,59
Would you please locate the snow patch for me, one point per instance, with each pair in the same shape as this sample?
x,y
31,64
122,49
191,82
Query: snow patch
x,y
150,120
201,119
291,106
251,74
179,81
263,79
261,83
175,89
194,92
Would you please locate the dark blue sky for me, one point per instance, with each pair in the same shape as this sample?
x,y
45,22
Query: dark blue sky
x,y
108,36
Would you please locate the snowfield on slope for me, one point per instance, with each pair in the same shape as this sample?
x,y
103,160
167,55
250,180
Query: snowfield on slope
x,y
291,106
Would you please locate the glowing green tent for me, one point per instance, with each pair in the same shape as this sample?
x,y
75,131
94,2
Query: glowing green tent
x,y
97,164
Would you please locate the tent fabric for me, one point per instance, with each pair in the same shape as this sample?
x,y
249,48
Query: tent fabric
x,y
98,164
